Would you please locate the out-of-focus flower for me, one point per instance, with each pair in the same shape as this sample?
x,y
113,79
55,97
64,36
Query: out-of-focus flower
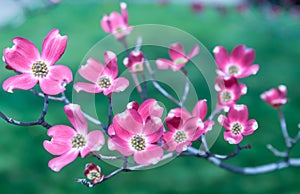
x,y
178,56
93,173
135,61
103,78
25,58
275,97
117,24
136,132
237,124
239,64
67,143
197,7
229,91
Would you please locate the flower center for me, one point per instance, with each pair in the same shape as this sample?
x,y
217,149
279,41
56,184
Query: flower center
x,y
39,69
78,141
226,96
180,61
93,175
180,136
233,70
236,128
104,82
138,142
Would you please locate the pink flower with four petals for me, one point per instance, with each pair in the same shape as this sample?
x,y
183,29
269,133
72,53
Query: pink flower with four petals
x,y
178,56
103,78
116,23
275,97
34,68
135,61
239,64
67,143
237,124
136,132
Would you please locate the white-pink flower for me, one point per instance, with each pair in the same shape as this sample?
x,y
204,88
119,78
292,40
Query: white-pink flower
x,y
275,97
237,124
229,91
135,61
116,23
136,132
239,64
34,68
67,143
104,78
178,56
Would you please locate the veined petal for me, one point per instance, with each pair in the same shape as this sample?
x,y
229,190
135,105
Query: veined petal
x,y
23,82
95,141
248,58
169,143
153,129
57,147
238,112
250,127
151,155
176,51
116,21
76,118
105,24
237,54
51,87
200,109
120,84
116,143
163,63
22,55
195,51
56,164
252,70
60,73
223,120
87,87
54,46
150,107
124,12
232,138
111,66
92,70
221,56
61,132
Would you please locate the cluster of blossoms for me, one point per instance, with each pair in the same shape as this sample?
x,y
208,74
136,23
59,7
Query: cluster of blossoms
x,y
139,131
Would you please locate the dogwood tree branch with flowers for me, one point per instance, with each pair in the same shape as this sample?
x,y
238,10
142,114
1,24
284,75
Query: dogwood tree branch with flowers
x,y
140,134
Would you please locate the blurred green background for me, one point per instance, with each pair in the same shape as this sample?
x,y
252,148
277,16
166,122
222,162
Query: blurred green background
x,y
276,39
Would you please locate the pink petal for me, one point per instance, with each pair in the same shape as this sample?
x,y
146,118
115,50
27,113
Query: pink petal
x,y
163,63
176,51
60,73
243,89
23,82
221,56
238,113
124,12
195,51
111,66
179,112
224,121
252,70
57,147
127,124
153,129
182,146
170,144
111,130
238,53
87,87
232,138
191,125
58,163
251,126
61,132
95,141
248,58
116,143
120,84
51,87
22,55
92,70
116,21
105,24
151,155
54,46
150,107
200,109
174,123
76,118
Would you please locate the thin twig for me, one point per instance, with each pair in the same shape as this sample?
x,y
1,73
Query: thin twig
x,y
186,87
284,129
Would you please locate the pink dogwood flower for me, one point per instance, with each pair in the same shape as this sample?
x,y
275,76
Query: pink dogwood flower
x,y
229,91
136,132
34,68
237,124
135,61
67,143
103,78
239,64
275,97
117,24
93,173
178,56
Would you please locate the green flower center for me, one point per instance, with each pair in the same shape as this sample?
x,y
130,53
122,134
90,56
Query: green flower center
x,y
93,175
233,70
138,142
236,128
226,96
104,82
78,141
39,69
180,136
180,61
